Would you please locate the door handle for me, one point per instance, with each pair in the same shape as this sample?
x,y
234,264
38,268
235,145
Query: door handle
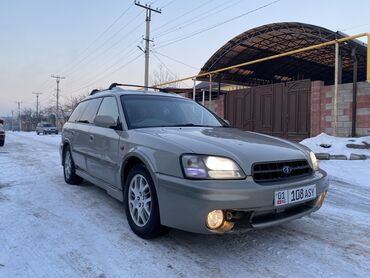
x,y
91,137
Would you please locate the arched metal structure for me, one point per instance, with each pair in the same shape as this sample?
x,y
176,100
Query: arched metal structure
x,y
272,39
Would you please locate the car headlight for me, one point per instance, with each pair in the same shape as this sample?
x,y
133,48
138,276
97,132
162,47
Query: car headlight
x,y
315,165
210,167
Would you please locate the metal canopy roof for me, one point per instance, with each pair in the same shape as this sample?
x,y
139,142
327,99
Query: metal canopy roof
x,y
278,38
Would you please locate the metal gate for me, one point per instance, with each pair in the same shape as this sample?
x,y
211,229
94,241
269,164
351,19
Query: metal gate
x,y
281,110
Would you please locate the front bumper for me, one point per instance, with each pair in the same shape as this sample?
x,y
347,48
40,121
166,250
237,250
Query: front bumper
x,y
184,204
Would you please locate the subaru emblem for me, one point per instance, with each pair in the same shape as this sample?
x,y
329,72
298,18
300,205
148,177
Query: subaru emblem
x,y
287,170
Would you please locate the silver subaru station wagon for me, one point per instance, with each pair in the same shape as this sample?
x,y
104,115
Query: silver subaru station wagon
x,y
173,163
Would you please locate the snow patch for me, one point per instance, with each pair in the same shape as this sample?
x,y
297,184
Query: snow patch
x,y
349,171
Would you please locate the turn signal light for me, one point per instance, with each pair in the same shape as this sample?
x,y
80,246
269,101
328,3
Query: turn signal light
x,y
320,200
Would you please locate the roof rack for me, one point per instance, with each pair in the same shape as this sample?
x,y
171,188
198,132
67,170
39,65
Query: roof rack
x,y
93,92
113,85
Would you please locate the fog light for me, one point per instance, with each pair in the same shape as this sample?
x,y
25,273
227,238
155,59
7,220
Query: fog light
x,y
215,219
320,200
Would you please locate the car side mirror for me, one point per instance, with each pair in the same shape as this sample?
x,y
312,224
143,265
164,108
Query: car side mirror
x,y
105,121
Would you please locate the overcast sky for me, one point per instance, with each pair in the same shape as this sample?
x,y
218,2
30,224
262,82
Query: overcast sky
x,y
65,37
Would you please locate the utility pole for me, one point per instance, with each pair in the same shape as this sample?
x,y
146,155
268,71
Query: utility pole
x,y
149,11
12,120
19,115
57,78
37,103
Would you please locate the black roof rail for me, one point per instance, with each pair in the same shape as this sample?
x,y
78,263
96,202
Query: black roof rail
x,y
93,92
113,85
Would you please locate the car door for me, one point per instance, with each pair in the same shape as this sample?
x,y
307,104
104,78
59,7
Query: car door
x,y
70,132
82,139
104,163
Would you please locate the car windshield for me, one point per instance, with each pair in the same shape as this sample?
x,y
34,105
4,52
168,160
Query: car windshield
x,y
47,125
160,111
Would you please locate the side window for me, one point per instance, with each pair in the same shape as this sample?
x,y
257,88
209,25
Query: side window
x,y
76,114
90,112
109,108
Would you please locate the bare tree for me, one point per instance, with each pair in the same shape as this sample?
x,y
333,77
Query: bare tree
x,y
69,105
163,75
29,119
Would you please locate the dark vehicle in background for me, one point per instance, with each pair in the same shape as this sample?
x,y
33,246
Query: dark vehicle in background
x,y
2,133
46,128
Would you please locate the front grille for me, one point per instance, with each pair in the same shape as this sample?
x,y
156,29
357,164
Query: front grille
x,y
274,171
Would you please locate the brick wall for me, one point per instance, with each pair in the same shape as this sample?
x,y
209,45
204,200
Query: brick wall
x,y
217,105
220,106
322,109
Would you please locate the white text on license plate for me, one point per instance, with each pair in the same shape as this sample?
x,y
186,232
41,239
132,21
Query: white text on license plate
x,y
289,196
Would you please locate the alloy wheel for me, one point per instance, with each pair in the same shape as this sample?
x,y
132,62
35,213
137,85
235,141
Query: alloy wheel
x,y
140,201
68,164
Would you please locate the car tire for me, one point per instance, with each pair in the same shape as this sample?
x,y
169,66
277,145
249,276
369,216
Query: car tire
x,y
2,142
69,169
38,133
141,204
44,132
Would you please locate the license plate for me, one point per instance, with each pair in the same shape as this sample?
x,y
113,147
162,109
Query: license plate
x,y
290,196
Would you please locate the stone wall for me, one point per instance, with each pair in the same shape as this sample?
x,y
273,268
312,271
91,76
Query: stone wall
x,y
322,109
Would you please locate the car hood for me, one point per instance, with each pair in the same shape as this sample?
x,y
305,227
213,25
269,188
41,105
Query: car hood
x,y
244,147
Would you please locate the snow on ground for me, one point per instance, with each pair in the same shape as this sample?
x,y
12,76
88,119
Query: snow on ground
x,y
349,171
337,144
51,229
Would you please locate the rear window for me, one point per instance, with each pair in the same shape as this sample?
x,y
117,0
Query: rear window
x,y
76,114
90,111
109,108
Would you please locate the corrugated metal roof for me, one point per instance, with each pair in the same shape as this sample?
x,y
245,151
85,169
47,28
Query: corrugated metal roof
x,y
278,38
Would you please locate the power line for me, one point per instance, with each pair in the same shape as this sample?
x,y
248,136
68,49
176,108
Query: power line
x,y
100,36
167,4
220,8
96,39
73,68
104,76
100,49
181,16
163,64
117,60
187,36
104,51
173,59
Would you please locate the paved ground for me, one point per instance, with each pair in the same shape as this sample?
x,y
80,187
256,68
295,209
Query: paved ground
x,y
51,229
